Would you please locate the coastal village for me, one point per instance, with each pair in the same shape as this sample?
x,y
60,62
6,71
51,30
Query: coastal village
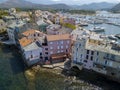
x,y
45,38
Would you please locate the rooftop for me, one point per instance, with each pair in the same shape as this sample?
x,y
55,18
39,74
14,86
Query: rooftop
x,y
107,48
53,26
16,24
32,46
24,41
29,32
58,37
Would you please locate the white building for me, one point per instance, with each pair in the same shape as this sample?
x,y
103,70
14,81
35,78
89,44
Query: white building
x,y
92,51
12,29
31,53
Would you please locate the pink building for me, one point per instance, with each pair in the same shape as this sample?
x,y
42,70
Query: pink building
x,y
57,48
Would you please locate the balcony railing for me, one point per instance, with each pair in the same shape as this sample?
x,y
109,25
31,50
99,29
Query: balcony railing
x,y
112,59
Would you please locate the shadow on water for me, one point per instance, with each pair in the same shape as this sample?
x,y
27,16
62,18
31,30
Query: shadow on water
x,y
12,69
5,48
16,62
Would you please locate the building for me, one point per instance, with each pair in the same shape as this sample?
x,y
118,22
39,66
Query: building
x,y
14,29
96,52
31,51
12,11
57,48
32,34
53,29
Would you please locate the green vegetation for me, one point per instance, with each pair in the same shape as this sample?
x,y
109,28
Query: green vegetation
x,y
68,25
3,13
3,31
85,12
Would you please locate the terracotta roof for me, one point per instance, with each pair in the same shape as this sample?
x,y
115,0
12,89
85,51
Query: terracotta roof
x,y
29,32
24,41
58,37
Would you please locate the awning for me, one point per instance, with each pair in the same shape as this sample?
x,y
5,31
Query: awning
x,y
58,56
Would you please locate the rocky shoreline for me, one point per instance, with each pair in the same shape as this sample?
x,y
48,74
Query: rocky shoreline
x,y
70,82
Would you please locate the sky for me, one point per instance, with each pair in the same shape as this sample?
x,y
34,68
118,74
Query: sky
x,y
71,2
75,1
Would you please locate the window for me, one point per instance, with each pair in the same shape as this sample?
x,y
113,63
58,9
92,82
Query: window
x,y
79,45
77,49
46,53
61,50
46,48
96,59
112,57
34,35
66,50
91,58
86,56
51,42
58,47
66,46
51,52
61,47
68,42
31,56
92,52
107,55
58,51
41,57
97,53
46,58
87,51
40,53
85,61
106,62
61,42
81,56
57,42
51,47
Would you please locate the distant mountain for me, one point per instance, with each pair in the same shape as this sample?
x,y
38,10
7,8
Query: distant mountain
x,y
95,6
27,4
16,3
116,7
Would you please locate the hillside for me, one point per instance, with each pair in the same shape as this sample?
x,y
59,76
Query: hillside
x,y
95,6
27,4
116,7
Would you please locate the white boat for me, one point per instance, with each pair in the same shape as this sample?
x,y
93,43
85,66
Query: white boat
x,y
112,37
98,29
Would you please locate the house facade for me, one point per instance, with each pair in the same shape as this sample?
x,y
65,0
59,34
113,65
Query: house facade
x,y
58,48
92,51
31,51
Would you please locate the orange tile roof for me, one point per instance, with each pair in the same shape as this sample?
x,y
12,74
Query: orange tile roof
x,y
58,37
24,41
29,32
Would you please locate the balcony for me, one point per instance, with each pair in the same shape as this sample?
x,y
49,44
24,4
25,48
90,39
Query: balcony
x,y
112,59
